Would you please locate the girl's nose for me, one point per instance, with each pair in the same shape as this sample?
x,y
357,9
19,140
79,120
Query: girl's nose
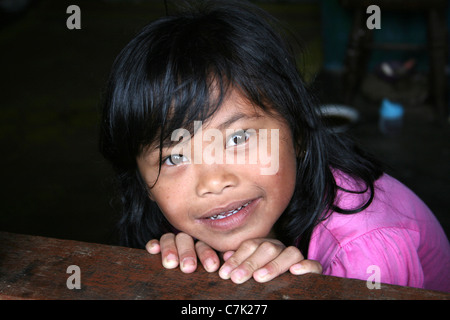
x,y
214,179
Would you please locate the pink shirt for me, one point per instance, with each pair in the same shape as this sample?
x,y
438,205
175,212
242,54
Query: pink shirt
x,y
397,233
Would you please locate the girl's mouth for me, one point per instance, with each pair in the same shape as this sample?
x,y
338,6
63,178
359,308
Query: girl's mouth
x,y
226,214
230,218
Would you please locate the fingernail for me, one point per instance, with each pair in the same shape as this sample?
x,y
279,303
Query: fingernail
x,y
170,261
224,272
261,273
188,264
209,264
153,246
238,276
297,269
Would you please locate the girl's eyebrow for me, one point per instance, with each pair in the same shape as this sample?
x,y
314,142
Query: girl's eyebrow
x,y
236,117
222,126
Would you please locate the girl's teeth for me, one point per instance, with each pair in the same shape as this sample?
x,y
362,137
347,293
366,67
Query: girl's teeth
x,y
228,213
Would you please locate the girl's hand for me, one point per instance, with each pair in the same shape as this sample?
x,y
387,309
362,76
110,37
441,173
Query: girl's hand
x,y
180,250
262,259
265,259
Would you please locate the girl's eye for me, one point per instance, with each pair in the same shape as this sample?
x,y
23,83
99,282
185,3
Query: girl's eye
x,y
174,159
238,138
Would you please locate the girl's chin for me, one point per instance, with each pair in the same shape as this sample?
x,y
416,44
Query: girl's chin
x,y
228,244
223,248
231,242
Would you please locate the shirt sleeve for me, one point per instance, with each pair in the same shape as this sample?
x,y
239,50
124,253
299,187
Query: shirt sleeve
x,y
387,255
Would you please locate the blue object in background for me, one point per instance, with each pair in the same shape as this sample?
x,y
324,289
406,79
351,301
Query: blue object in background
x,y
391,117
391,110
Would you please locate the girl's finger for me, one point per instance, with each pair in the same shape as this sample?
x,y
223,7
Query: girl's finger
x,y
306,266
169,253
153,246
249,257
208,257
186,252
227,255
282,263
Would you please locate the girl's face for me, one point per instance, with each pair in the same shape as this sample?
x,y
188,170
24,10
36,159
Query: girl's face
x,y
229,188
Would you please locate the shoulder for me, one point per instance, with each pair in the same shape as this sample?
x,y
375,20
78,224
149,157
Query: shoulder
x,y
392,234
393,251
393,206
394,209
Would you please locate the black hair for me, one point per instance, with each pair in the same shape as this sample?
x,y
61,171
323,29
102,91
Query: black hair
x,y
179,69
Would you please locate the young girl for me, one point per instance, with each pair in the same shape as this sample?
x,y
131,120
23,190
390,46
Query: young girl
x,y
223,73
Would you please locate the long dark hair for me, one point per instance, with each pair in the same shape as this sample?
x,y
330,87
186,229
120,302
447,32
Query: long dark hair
x,y
164,80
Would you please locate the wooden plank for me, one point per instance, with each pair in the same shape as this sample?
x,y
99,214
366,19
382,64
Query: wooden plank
x,y
33,267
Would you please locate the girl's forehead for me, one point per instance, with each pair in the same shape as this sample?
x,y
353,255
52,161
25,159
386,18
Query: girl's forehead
x,y
220,111
234,107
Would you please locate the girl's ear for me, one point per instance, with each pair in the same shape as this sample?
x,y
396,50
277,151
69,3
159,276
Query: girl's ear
x,y
151,196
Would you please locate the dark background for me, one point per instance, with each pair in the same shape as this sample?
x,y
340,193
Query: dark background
x,y
56,184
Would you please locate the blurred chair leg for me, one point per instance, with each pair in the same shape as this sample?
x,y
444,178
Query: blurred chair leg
x,y
437,41
357,55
